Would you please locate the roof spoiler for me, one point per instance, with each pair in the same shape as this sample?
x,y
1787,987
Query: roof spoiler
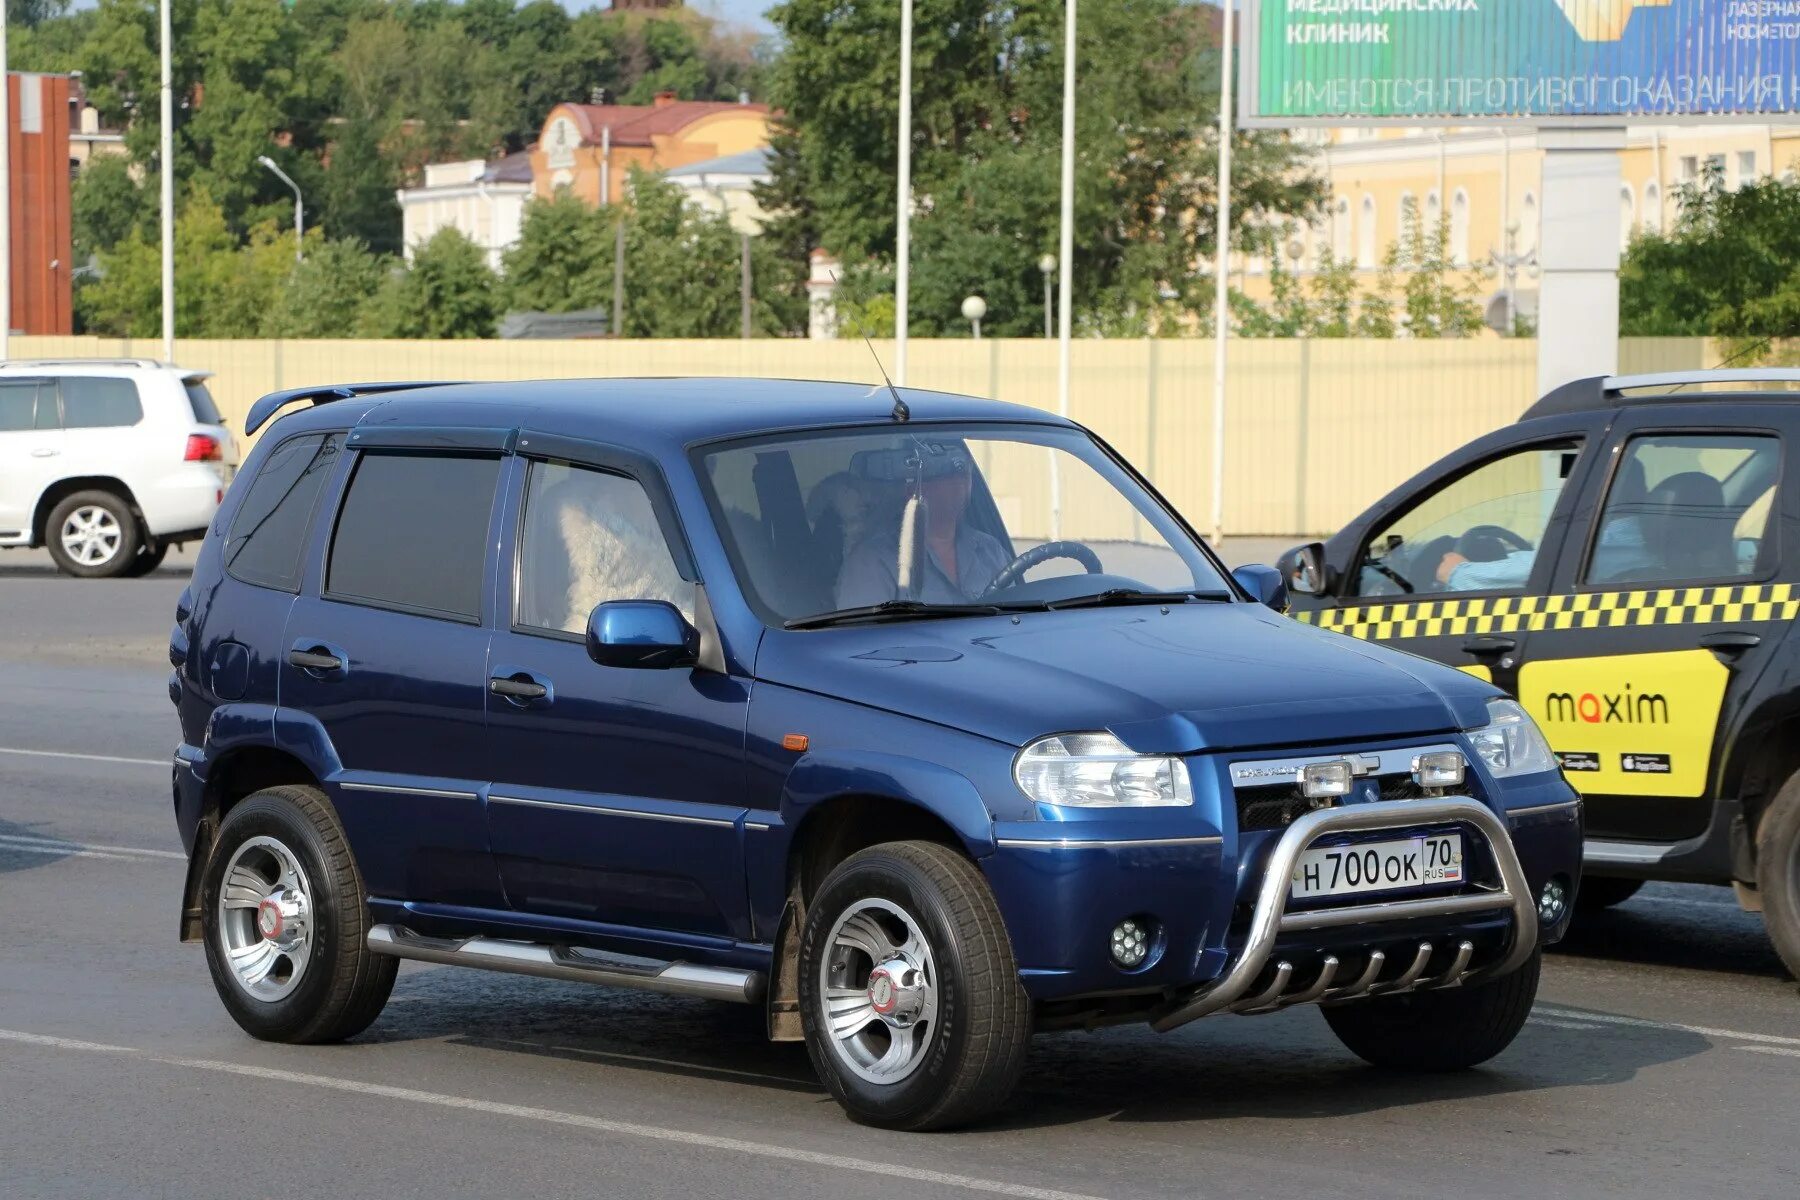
x,y
274,402
1608,391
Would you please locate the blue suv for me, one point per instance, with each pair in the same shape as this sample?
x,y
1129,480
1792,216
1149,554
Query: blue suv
x,y
920,721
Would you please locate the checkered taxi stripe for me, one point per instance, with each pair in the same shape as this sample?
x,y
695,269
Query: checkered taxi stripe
x,y
1602,610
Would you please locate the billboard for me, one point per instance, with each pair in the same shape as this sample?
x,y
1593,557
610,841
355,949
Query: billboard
x,y
1540,62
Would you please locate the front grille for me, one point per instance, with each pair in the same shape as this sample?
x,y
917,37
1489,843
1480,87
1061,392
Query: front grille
x,y
1278,805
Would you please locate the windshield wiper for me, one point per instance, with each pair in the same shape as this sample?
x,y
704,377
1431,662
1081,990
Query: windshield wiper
x,y
890,610
1122,596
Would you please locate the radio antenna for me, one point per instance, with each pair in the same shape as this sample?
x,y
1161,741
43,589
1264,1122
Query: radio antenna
x,y
900,413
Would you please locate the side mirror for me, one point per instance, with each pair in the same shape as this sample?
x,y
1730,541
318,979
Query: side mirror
x,y
1305,570
642,635
1265,584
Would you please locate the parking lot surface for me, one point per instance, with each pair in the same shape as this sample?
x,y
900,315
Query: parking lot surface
x,y
1663,1059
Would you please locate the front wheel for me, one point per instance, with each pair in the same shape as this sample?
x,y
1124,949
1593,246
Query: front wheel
x,y
1442,1030
1778,873
1602,891
909,993
285,924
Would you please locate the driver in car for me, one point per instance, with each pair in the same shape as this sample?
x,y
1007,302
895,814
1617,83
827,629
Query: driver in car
x,y
959,561
1620,550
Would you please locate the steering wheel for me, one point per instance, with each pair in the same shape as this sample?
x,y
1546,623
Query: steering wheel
x,y
1015,570
1470,544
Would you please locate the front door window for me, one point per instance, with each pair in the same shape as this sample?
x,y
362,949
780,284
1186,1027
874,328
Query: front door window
x,y
1481,531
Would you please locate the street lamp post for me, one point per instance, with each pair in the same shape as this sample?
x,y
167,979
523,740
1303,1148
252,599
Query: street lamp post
x,y
166,136
5,194
973,309
1047,267
903,200
1508,262
299,205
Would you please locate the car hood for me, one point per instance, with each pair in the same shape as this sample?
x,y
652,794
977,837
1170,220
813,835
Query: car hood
x,y
1201,677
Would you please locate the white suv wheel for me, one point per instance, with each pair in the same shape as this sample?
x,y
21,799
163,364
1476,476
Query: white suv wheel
x,y
91,536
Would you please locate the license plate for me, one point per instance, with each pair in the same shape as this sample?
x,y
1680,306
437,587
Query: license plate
x,y
1379,866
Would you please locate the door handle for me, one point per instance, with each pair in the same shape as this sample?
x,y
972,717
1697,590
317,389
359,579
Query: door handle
x,y
45,452
1489,645
316,659
1730,645
518,688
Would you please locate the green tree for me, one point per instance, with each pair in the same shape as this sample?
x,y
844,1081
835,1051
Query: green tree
x,y
323,296
1437,302
683,271
987,102
448,291
107,206
562,261
1725,269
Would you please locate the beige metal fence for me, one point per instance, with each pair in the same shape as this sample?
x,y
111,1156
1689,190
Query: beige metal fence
x,y
1315,429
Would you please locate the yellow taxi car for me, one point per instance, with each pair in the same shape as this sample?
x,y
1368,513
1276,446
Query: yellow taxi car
x,y
1625,559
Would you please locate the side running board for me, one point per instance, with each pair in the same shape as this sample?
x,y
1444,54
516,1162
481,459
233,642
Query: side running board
x,y
564,962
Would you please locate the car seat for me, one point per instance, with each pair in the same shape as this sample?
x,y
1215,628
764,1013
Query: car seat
x,y
1687,528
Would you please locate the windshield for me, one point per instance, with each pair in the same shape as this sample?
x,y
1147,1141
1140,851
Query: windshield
x,y
942,517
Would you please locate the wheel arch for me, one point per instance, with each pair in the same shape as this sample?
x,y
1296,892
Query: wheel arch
x,y
237,773
62,489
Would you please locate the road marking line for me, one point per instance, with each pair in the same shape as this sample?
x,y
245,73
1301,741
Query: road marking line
x,y
22,841
105,758
63,852
1562,1024
551,1116
1771,1050
1725,905
1704,1031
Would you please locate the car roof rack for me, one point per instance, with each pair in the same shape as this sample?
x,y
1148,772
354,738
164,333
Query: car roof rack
x,y
140,363
267,407
1609,391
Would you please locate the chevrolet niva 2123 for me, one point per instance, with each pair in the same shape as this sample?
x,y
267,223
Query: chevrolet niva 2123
x,y
920,721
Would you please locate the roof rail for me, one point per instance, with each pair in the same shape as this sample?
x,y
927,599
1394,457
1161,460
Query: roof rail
x,y
144,363
1665,379
1609,391
266,407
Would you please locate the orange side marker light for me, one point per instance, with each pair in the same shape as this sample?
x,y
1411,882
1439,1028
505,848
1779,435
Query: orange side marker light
x,y
796,742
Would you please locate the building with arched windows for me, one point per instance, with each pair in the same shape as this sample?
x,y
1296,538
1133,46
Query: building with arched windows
x,y
1493,178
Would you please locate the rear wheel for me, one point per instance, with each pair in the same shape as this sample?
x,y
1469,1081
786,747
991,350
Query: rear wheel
x,y
1442,1030
92,535
909,994
1601,891
1778,873
285,922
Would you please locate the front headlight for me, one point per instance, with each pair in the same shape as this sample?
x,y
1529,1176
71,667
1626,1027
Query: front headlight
x,y
1097,770
1511,743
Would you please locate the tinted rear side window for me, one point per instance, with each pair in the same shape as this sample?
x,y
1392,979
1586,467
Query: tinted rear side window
x,y
91,403
269,532
412,533
201,401
18,405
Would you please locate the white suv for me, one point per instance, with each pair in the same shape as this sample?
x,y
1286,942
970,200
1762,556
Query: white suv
x,y
108,462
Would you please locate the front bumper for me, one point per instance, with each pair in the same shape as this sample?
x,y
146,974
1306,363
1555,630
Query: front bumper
x,y
1270,918
1220,903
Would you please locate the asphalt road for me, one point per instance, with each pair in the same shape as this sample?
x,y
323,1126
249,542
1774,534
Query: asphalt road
x,y
1663,1060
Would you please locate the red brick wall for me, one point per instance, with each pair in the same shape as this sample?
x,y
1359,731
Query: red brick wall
x,y
41,250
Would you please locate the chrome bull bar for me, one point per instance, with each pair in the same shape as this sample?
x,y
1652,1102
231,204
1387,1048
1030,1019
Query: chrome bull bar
x,y
1270,918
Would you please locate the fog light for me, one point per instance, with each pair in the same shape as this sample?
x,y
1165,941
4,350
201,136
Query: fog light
x,y
1130,943
1552,901
1324,779
1439,769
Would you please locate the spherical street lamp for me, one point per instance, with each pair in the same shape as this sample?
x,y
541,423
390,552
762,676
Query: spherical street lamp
x,y
973,309
1047,265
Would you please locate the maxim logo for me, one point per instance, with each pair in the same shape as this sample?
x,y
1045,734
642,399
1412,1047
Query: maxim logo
x,y
1608,708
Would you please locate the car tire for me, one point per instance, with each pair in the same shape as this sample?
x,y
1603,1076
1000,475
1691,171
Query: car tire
x,y
945,1023
148,559
92,535
1778,872
1447,1029
285,922
1603,891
